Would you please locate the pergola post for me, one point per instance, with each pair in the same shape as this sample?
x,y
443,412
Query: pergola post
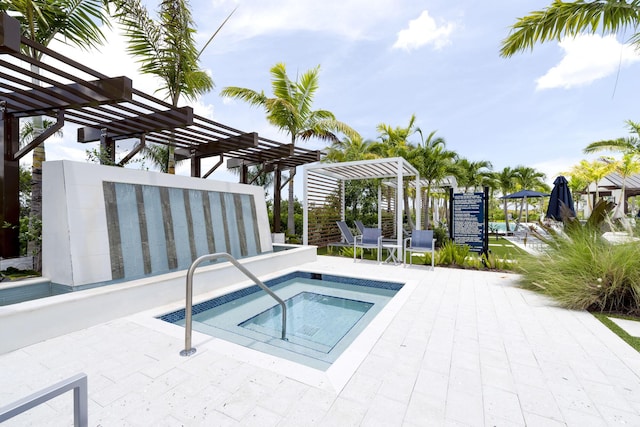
x,y
399,204
419,204
343,210
380,206
107,149
10,173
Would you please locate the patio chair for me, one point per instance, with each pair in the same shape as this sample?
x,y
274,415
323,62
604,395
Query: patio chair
x,y
371,239
347,235
421,241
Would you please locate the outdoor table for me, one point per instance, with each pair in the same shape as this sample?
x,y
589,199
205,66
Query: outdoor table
x,y
393,250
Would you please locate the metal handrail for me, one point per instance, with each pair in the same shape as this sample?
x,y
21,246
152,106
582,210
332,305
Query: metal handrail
x,y
188,321
80,399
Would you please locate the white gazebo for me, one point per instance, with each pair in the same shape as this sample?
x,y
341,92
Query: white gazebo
x,y
324,188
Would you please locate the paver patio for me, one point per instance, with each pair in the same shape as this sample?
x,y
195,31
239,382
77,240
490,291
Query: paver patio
x,y
466,348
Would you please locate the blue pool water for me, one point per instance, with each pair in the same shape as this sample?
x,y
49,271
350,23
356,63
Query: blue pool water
x,y
325,313
314,320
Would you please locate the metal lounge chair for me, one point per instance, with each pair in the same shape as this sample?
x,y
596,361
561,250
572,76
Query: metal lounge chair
x,y
421,241
347,236
371,239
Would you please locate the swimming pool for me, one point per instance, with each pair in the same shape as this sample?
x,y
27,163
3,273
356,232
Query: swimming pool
x,y
325,313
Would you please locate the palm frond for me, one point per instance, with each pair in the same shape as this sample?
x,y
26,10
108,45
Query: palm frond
x,y
620,144
568,19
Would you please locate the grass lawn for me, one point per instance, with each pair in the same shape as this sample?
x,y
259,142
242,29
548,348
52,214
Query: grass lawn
x,y
502,248
631,340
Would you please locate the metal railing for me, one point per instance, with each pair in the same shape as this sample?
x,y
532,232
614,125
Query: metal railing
x,y
80,411
188,321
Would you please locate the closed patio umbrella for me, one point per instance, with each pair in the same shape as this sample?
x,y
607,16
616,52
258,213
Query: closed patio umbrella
x,y
560,195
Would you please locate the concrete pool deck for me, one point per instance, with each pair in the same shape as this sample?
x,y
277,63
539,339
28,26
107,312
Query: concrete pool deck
x,y
465,348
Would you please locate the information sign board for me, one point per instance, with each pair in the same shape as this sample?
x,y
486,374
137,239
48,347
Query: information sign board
x,y
468,212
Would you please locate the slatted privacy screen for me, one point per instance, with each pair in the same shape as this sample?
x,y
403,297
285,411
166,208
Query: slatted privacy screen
x,y
324,198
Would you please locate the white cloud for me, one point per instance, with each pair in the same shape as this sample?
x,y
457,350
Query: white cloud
x,y
423,31
587,58
353,19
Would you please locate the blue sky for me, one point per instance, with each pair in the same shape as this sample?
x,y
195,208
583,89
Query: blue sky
x,y
384,60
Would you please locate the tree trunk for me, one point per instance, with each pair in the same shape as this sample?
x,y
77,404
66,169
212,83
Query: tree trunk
x,y
35,219
291,221
407,211
426,209
171,161
506,215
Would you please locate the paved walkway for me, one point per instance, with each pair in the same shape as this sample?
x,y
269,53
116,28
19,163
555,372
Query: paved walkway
x,y
466,349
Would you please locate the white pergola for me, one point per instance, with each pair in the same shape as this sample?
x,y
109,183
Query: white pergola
x,y
322,180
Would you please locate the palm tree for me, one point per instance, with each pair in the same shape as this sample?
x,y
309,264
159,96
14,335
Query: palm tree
x,y
577,184
290,110
506,180
473,174
629,144
158,155
434,162
72,21
593,172
569,19
350,149
624,167
394,143
166,49
529,178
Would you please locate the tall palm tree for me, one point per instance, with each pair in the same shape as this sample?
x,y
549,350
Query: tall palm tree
x,y
350,149
473,174
290,110
577,184
75,22
506,180
434,162
569,19
529,179
166,49
394,143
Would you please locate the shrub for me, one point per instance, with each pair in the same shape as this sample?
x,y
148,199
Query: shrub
x,y
347,251
452,254
581,270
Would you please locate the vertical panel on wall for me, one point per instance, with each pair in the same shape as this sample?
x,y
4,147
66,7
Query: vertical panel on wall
x,y
167,218
186,196
198,222
113,230
239,224
220,236
208,224
228,211
155,229
144,232
180,227
131,242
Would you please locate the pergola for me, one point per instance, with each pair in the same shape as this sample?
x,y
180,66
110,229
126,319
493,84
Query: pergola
x,y
109,109
323,183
